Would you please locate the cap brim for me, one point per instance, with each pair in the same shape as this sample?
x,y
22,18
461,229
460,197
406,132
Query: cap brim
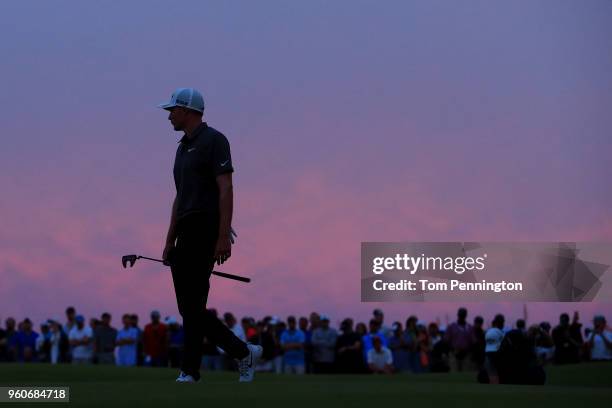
x,y
166,105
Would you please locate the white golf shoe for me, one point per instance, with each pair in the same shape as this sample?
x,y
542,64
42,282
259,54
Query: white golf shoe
x,y
246,366
186,378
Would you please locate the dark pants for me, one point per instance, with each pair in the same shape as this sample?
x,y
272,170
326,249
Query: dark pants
x,y
175,356
192,263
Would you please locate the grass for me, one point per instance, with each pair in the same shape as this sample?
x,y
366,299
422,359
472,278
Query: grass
x,y
104,386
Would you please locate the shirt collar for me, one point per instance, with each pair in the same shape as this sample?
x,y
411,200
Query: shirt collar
x,y
196,132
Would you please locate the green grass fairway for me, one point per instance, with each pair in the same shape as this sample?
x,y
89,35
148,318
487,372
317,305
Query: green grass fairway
x,y
99,386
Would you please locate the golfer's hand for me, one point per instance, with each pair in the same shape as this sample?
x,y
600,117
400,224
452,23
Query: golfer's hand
x,y
223,250
166,253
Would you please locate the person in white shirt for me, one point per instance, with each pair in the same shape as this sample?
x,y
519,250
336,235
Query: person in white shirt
x,y
380,359
81,338
493,340
53,336
600,340
56,337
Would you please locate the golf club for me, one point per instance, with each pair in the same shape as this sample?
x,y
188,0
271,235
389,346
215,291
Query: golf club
x,y
132,260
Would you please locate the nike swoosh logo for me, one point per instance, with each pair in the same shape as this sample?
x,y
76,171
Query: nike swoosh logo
x,y
224,163
191,150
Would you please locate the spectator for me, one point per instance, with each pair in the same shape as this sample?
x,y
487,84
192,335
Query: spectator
x,y
93,323
348,350
478,343
139,342
2,345
368,339
379,316
43,343
315,321
459,337
292,341
55,340
410,339
324,346
276,327
8,345
380,359
70,319
176,338
26,342
70,324
434,334
567,340
81,340
104,340
265,338
361,329
400,344
439,350
127,343
423,347
544,343
599,340
250,328
303,325
155,342
493,340
521,325
65,350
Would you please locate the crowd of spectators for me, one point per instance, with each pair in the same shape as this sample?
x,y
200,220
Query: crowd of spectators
x,y
311,345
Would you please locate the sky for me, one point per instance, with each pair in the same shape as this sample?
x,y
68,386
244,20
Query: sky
x,y
349,121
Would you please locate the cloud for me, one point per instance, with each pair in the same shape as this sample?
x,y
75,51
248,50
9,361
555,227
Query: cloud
x,y
300,244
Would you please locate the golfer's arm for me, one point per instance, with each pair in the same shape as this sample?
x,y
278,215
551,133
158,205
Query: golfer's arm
x,y
226,203
171,237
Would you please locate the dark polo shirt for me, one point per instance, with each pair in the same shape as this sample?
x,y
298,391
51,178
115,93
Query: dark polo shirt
x,y
198,162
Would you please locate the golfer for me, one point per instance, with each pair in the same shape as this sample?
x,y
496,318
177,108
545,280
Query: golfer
x,y
200,233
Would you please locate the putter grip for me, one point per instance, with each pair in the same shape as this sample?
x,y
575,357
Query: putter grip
x,y
230,276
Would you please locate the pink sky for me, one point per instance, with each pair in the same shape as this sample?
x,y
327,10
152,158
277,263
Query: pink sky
x,y
414,121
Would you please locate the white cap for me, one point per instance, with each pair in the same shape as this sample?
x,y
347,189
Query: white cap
x,y
185,97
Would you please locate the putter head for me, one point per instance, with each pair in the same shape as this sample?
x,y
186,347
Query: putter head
x,y
128,258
